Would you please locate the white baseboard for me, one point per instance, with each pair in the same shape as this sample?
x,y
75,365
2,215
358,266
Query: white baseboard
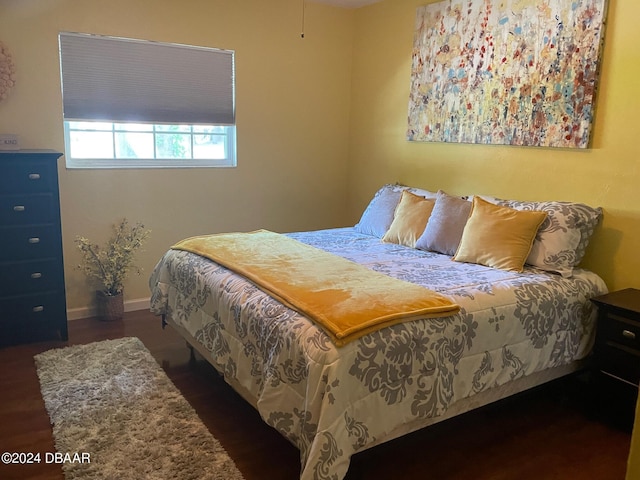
x,y
129,306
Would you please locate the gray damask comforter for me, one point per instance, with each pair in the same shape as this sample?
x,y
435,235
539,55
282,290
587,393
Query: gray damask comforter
x,y
333,402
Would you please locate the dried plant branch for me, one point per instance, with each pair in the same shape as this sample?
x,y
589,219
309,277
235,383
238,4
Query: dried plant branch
x,y
110,265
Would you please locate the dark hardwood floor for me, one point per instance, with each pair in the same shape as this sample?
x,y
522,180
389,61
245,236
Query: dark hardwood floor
x,y
549,433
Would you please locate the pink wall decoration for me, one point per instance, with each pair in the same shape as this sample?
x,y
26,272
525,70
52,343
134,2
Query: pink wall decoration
x,y
508,72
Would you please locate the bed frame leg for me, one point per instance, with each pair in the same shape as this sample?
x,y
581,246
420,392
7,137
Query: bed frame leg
x,y
192,353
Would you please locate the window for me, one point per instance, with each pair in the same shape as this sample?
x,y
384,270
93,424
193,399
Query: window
x,y
132,103
126,145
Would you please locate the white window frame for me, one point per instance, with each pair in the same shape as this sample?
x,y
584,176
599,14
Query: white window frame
x,y
121,81
115,161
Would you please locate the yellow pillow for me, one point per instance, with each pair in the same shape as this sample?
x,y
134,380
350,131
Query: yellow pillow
x,y
409,219
498,237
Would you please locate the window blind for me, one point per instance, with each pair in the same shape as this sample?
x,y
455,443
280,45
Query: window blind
x,y
126,80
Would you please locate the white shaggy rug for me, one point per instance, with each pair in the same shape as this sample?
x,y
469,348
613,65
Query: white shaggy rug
x,y
118,416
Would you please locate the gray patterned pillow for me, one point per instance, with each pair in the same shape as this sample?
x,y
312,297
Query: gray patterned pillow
x,y
377,217
563,237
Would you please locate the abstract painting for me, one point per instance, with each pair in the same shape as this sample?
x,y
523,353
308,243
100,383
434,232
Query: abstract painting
x,y
508,72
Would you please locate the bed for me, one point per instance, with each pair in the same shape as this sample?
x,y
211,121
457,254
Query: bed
x,y
516,327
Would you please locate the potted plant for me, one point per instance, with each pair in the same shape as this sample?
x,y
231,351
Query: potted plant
x,y
110,265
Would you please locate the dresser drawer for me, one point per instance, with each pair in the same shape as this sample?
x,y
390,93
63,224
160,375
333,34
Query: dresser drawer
x,y
619,361
30,277
27,209
31,318
36,308
31,242
28,177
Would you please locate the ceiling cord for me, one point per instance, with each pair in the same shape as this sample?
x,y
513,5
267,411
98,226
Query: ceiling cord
x,y
302,26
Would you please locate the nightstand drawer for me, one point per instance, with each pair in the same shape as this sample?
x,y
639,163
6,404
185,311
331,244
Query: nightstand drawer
x,y
30,277
26,209
32,242
27,177
619,361
620,330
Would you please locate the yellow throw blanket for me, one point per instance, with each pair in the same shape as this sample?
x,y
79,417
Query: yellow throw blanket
x,y
347,299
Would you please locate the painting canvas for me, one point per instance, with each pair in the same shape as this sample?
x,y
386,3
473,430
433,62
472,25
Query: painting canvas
x,y
509,72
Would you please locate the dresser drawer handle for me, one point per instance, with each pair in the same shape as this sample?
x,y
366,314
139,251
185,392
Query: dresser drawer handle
x,y
34,176
34,240
18,208
628,334
36,275
38,308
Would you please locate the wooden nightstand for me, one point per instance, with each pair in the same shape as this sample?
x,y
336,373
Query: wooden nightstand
x,y
616,358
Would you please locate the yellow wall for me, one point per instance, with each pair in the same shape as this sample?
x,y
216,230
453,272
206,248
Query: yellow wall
x,y
321,124
292,121
606,175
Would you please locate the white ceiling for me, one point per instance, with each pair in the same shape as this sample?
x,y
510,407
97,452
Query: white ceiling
x,y
348,3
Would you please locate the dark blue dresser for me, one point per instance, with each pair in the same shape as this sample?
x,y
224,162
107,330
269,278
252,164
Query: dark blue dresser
x,y
32,291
